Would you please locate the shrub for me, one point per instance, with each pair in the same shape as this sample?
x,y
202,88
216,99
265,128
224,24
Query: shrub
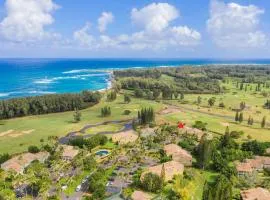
x,y
200,125
126,112
33,149
4,157
151,182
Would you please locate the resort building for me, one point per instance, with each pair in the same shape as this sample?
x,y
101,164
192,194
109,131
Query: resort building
x,y
249,166
178,154
140,195
125,137
172,168
255,194
193,131
243,168
69,152
20,162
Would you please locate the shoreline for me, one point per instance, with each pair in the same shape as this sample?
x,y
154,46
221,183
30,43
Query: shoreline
x,y
6,95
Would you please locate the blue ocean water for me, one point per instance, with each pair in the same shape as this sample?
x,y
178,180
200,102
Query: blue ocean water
x,y
28,77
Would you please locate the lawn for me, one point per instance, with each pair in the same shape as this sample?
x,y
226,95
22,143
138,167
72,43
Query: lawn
x,y
218,118
17,134
59,124
217,124
105,128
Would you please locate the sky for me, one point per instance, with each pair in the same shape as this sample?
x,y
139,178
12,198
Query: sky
x,y
135,29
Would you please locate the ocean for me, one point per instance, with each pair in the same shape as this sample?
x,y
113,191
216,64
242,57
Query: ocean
x,y
29,77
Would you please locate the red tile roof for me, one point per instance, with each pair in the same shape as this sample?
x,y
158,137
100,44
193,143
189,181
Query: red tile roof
x,y
255,194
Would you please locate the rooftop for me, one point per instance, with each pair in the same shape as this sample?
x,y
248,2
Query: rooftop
x,y
69,151
255,194
139,195
125,137
256,163
18,163
176,151
243,167
172,168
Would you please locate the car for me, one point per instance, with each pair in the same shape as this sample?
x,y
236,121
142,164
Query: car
x,y
64,187
78,188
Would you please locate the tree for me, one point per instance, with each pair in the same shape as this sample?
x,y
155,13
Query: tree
x,y
182,96
199,100
176,95
241,117
263,123
211,101
236,116
221,189
200,125
241,86
205,150
77,115
151,182
127,99
52,103
255,147
250,120
89,163
138,93
146,116
162,174
105,111
4,157
111,96
242,105
33,149
156,93
227,131
221,105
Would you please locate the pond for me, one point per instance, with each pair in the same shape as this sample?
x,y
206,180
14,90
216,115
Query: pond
x,y
102,153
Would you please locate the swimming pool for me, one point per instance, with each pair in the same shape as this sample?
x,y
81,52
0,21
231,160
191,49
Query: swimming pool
x,y
102,153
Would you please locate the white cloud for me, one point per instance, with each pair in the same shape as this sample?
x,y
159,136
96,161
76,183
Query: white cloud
x,y
83,37
182,35
104,20
26,20
234,25
156,32
154,17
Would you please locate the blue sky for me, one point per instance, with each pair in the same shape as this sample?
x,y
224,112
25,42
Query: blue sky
x,y
135,28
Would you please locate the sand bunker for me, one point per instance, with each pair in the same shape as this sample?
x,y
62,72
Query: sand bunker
x,y
14,134
6,133
225,124
169,110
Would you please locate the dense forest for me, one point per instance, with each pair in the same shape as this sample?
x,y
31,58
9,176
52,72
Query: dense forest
x,y
47,104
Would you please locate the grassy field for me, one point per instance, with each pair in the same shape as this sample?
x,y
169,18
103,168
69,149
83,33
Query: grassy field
x,y
17,134
30,130
105,128
218,118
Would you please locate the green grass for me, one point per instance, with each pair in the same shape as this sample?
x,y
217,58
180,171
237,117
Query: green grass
x,y
218,124
105,128
231,99
199,180
59,124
